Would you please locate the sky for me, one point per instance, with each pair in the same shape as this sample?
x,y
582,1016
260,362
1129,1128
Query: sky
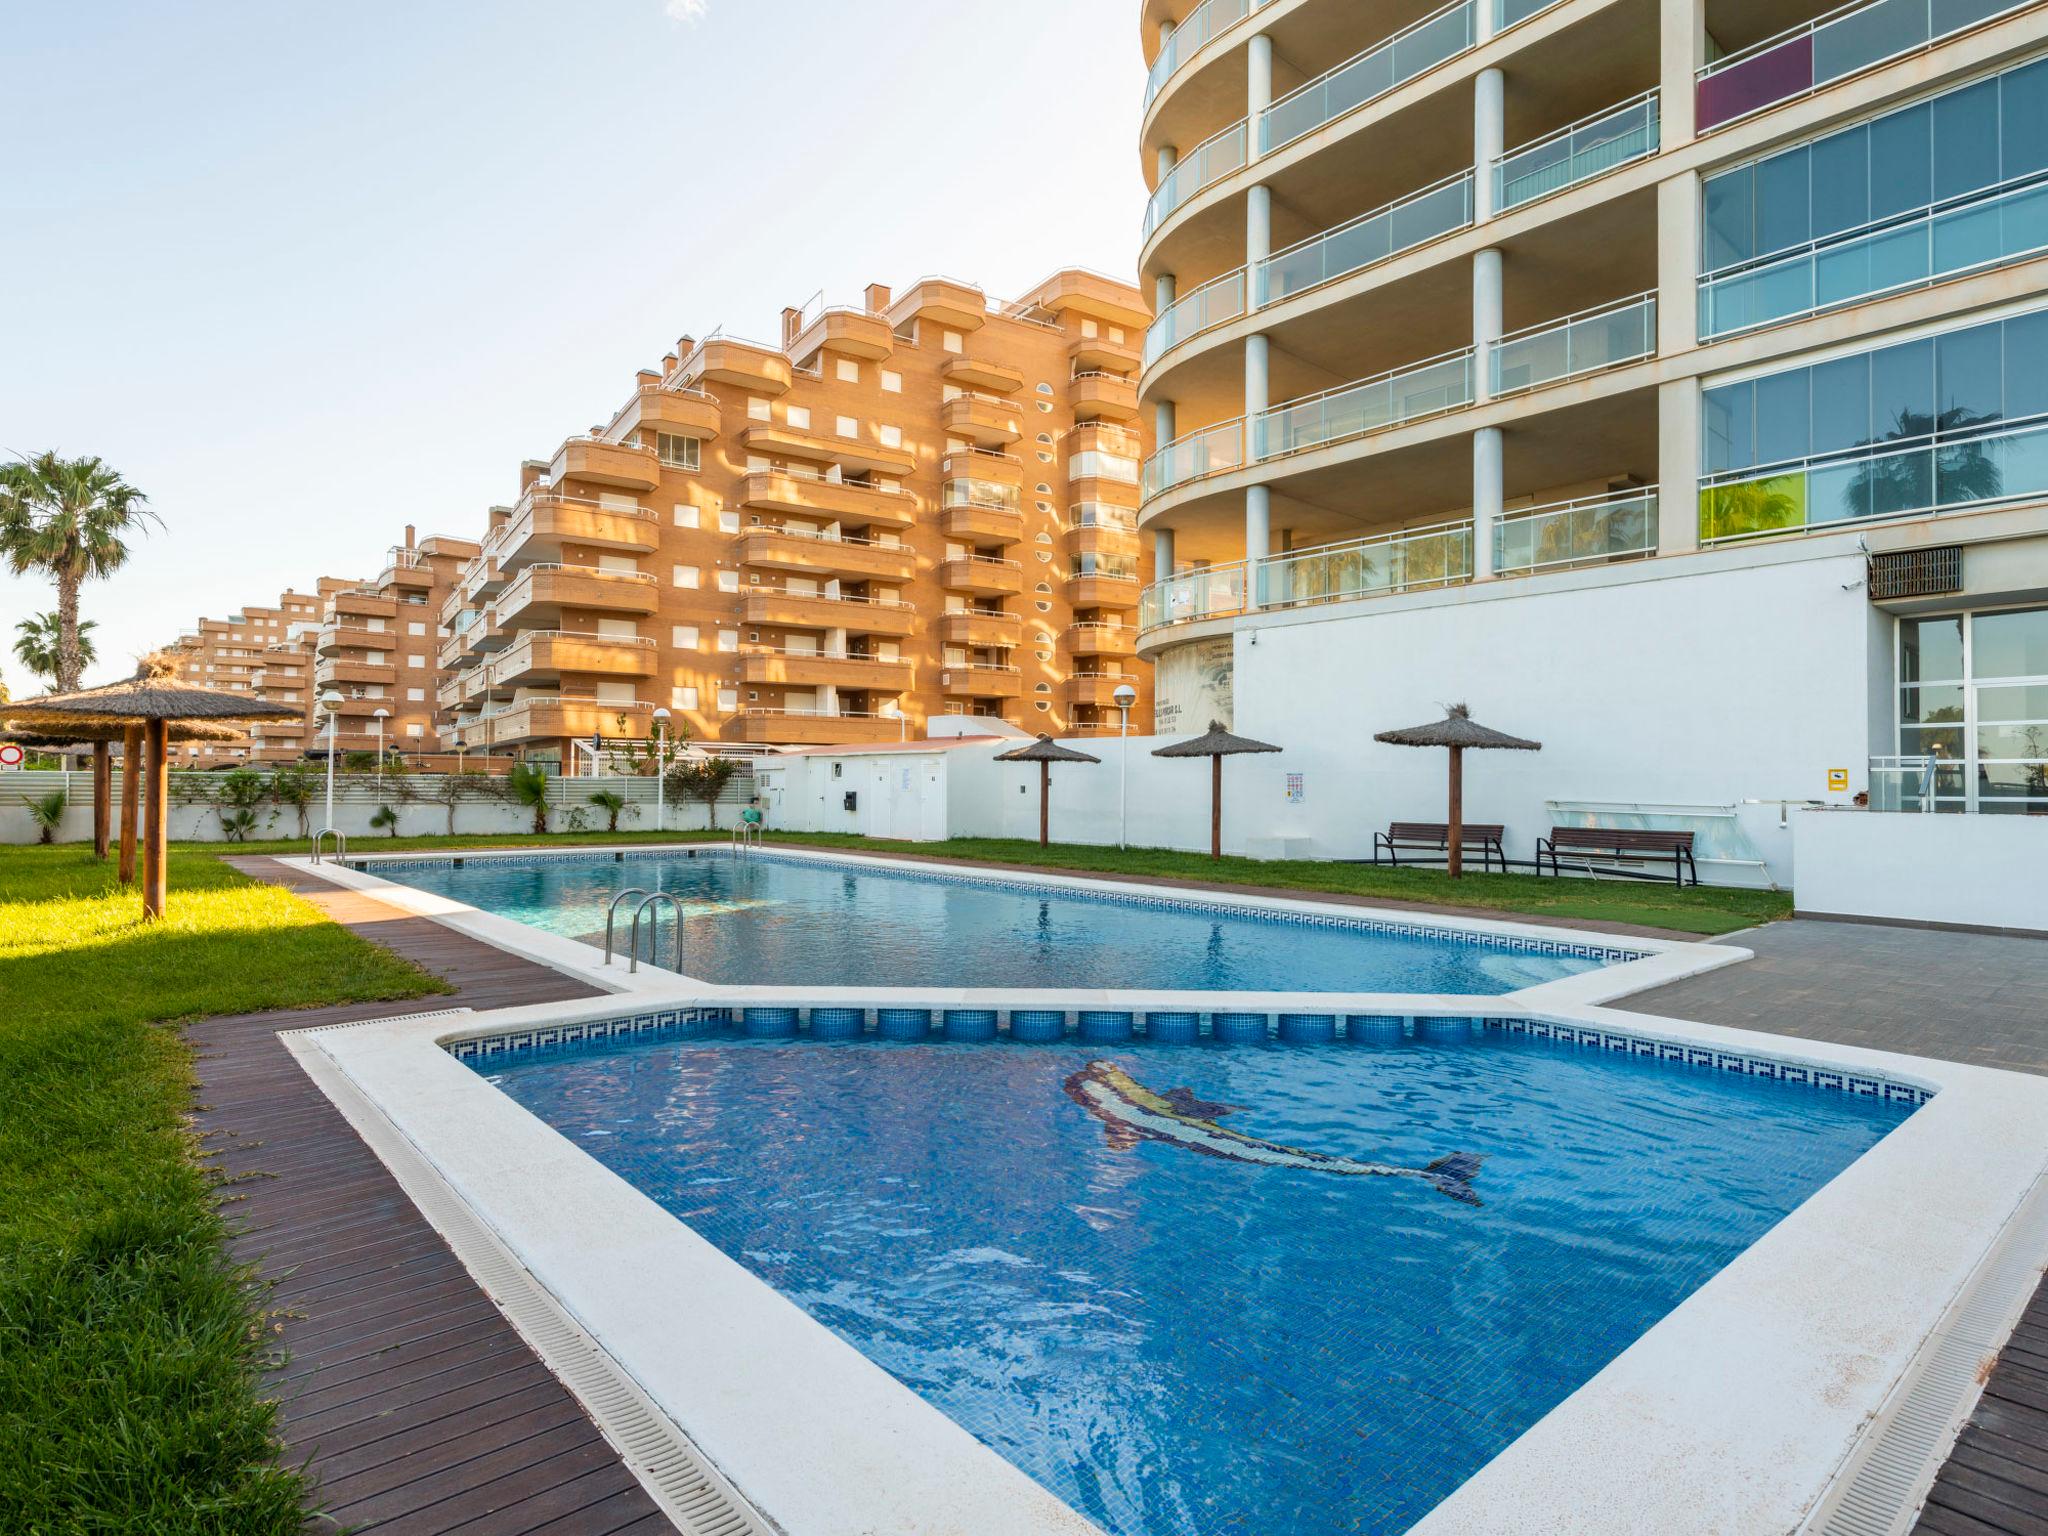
x,y
304,274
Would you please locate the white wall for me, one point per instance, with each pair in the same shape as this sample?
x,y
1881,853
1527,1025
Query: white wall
x,y
1989,871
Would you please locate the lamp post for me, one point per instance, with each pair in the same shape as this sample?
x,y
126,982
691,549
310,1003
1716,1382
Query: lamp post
x,y
331,702
661,719
380,716
1125,697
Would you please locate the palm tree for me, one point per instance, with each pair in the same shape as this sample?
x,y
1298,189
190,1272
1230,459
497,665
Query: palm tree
x,y
68,518
528,785
36,639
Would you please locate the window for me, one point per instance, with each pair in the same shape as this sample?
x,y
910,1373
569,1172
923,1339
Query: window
x,y
728,581
415,661
728,700
683,637
1106,466
1089,329
685,515
682,696
800,417
678,452
728,640
892,382
846,370
846,426
1116,335
1973,695
685,576
1044,388
757,408
950,340
415,695
891,437
415,629
415,730
728,522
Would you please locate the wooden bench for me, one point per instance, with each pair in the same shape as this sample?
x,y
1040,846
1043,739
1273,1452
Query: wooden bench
x,y
1586,846
1435,837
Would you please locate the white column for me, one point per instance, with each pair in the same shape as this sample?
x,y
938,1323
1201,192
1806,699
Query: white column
x,y
1162,293
828,699
1489,125
1678,245
1257,371
1162,553
1682,36
1258,224
1162,423
1678,467
1169,157
1486,499
1258,74
1483,17
1258,539
1258,244
1486,310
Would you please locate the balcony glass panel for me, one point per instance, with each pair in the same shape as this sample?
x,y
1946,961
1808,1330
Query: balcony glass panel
x,y
1573,533
1209,305
1215,591
1507,12
1208,452
1372,405
1401,562
982,493
1371,74
1203,23
1578,345
1208,162
1373,237
1578,153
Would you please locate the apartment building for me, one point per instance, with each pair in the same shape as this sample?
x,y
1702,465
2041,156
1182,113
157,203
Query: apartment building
x,y
264,651
921,505
377,647
1667,377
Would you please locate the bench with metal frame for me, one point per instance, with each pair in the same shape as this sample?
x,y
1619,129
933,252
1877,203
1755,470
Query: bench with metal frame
x,y
1618,846
1435,837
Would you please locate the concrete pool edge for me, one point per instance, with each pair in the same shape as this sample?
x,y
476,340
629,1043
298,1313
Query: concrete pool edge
x,y
1749,1396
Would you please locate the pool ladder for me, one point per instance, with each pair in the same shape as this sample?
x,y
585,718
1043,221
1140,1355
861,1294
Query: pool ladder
x,y
648,899
746,837
340,843
611,914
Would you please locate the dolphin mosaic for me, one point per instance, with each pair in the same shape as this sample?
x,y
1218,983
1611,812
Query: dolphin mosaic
x,y
1130,1113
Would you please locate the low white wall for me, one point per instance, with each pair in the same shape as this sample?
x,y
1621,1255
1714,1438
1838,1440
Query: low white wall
x,y
1989,871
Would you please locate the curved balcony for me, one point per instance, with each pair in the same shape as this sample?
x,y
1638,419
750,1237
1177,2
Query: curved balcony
x,y
329,672
670,408
1100,639
984,420
1579,152
545,522
559,719
809,728
361,603
1196,30
748,364
849,452
815,554
1098,354
542,592
855,332
984,374
966,680
1109,396
335,638
1001,630
779,490
946,301
981,576
856,615
971,523
1102,590
542,655
984,466
1101,538
769,667
597,462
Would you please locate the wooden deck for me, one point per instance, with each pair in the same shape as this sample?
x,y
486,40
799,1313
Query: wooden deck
x,y
1996,1480
415,1404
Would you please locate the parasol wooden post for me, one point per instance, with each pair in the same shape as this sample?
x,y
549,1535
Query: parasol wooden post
x,y
1456,838
102,800
154,838
131,797
1216,806
1044,803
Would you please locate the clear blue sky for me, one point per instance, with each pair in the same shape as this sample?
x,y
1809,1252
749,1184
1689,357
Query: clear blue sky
x,y
307,273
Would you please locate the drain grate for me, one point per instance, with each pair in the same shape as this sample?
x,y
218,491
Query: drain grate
x,y
680,1478
1885,1480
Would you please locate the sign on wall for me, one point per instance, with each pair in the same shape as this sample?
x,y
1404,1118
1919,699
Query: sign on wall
x,y
1838,781
1193,684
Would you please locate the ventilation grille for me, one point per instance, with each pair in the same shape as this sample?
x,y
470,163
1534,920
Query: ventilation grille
x,y
1917,573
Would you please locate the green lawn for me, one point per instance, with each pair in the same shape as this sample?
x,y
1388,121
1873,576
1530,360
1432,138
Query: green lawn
x,y
129,1345
1694,910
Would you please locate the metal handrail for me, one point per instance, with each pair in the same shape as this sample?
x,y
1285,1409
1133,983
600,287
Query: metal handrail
x,y
654,932
340,843
819,536
611,913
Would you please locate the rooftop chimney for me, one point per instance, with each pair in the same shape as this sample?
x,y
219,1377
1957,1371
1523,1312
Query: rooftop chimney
x,y
877,298
792,322
668,363
408,535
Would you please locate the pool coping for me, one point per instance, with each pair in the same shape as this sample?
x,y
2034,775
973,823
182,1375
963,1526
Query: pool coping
x,y
1749,1398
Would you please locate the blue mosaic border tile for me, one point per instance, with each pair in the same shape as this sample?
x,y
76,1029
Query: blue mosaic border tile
x,y
1506,943
1056,1026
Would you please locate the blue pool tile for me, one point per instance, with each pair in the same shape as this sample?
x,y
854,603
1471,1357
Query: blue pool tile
x,y
1375,1028
903,1023
768,1023
1099,1027
838,1023
970,1024
1308,1028
1240,1028
1037,1025
1173,1028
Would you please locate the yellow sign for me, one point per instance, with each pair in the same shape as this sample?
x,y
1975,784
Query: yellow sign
x,y
1838,780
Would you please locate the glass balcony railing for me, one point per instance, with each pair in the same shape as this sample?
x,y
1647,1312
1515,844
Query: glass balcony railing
x,y
1507,12
1368,239
1209,305
1985,231
1829,48
1371,405
1208,162
1577,153
1584,343
1203,23
1207,452
1213,592
1376,567
1943,472
1591,531
1373,73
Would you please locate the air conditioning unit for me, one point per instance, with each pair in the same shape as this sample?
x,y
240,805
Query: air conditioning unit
x,y
1917,573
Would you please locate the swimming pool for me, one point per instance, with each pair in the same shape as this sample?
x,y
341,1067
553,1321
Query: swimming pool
x,y
795,921
1185,1319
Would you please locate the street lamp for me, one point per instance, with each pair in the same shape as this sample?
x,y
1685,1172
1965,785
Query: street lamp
x,y
380,716
331,702
1125,697
661,719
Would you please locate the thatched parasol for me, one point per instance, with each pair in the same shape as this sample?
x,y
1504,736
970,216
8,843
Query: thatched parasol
x,y
1215,744
142,709
1044,752
1457,731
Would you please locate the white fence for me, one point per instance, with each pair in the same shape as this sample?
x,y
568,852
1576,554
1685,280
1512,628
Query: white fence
x,y
196,812
1979,871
